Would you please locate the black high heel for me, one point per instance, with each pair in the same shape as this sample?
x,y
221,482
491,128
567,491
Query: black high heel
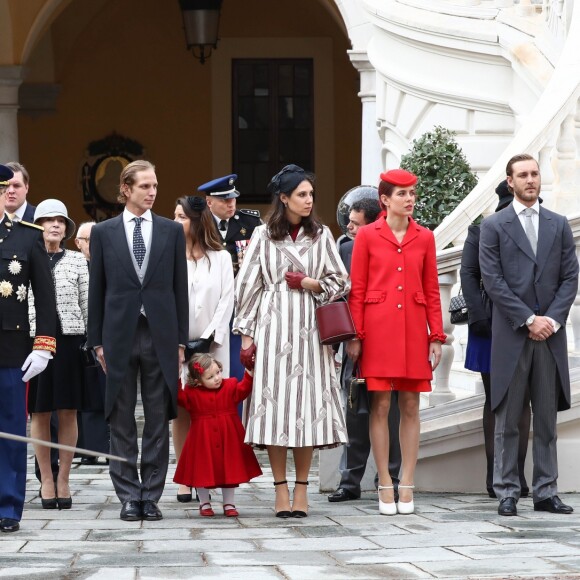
x,y
63,503
47,504
185,497
300,513
285,514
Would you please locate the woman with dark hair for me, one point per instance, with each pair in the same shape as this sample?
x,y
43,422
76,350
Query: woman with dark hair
x,y
290,267
211,299
396,309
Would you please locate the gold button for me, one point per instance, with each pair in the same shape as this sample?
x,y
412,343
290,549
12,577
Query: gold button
x,y
399,306
399,250
18,327
400,269
399,288
14,256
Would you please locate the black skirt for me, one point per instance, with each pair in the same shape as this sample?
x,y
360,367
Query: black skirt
x,y
61,384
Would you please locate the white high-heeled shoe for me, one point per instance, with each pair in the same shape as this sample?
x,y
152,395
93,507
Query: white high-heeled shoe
x,y
406,507
386,509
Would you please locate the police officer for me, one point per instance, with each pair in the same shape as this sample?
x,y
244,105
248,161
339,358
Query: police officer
x,y
22,262
234,226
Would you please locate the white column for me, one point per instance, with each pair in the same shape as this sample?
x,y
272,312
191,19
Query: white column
x,y
371,164
10,80
442,393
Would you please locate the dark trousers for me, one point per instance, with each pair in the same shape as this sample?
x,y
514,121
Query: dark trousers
x,y
353,461
12,453
155,396
537,368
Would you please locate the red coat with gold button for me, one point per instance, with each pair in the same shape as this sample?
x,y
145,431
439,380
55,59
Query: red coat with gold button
x,y
214,453
395,301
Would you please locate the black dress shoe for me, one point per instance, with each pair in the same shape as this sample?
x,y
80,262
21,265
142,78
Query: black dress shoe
x,y
525,491
507,507
151,512
90,460
131,511
9,525
554,505
342,494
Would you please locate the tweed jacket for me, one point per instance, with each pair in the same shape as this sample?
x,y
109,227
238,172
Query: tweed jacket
x,y
71,281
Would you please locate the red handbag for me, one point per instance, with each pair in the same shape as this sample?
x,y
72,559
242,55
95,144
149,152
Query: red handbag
x,y
335,322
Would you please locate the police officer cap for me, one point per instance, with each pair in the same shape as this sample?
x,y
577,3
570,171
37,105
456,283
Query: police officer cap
x,y
399,177
222,187
5,174
55,208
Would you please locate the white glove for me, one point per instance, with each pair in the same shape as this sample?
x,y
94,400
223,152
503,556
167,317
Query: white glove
x,y
35,363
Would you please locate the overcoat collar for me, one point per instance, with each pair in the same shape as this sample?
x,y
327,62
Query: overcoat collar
x,y
295,250
546,235
386,232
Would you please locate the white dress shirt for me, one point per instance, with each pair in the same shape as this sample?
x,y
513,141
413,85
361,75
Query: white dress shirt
x,y
19,213
146,227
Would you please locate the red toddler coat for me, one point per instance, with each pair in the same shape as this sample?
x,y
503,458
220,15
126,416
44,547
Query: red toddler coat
x,y
214,453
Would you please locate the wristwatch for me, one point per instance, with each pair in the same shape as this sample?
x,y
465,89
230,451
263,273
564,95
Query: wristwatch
x,y
530,320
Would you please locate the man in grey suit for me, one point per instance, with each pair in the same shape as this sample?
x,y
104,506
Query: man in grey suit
x,y
530,271
138,326
355,455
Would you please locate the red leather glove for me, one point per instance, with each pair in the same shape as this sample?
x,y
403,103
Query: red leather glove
x,y
248,357
294,280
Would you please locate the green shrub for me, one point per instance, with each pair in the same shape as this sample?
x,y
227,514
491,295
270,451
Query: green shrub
x,y
445,177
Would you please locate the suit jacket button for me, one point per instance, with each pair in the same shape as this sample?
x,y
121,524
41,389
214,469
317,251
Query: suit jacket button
x,y
18,327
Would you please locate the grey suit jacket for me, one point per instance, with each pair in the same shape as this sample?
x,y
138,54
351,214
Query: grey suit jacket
x,y
116,295
517,282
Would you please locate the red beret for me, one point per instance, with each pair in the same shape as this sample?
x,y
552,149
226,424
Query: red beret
x,y
399,177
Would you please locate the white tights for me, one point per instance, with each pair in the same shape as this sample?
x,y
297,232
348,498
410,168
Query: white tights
x,y
228,494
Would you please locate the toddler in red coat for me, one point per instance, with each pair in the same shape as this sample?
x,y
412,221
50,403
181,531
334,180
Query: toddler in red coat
x,y
214,453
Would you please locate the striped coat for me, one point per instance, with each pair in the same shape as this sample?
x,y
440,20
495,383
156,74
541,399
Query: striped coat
x,y
296,396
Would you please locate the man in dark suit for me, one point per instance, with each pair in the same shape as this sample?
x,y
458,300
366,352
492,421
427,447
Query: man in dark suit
x,y
24,263
530,271
235,228
355,455
16,194
138,326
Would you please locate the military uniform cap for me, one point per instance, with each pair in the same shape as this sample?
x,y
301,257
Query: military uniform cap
x,y
5,175
222,187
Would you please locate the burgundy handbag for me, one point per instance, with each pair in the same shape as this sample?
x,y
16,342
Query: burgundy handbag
x,y
335,322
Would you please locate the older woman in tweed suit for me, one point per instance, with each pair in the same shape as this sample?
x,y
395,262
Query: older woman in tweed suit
x,y
290,267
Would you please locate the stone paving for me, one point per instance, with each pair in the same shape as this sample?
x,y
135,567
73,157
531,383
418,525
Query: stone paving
x,y
450,536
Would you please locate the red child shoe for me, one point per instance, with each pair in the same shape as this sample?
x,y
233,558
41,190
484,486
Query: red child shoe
x,y
230,510
206,512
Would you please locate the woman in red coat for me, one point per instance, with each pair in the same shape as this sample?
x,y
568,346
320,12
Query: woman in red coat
x,y
214,453
396,309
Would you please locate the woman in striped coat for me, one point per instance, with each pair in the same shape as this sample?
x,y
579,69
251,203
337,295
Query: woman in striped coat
x,y
291,266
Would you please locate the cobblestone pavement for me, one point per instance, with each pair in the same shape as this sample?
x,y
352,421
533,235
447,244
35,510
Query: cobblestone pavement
x,y
450,536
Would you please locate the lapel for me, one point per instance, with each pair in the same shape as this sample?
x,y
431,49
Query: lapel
x,y
513,228
546,235
159,236
386,232
294,251
121,247
234,228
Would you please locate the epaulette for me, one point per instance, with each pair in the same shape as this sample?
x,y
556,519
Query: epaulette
x,y
31,225
253,212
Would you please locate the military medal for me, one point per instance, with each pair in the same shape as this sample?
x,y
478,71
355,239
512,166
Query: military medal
x,y
5,289
15,267
21,293
243,231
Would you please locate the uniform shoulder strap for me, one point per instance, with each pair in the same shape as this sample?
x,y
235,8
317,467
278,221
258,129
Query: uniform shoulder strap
x,y
31,225
252,212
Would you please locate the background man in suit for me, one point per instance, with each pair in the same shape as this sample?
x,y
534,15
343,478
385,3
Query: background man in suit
x,y
16,203
355,455
24,264
138,323
235,228
530,271
93,428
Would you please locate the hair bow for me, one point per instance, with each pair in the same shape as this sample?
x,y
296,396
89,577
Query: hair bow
x,y
198,368
196,203
286,180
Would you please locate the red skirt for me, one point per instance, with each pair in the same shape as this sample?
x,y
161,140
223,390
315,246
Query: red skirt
x,y
398,384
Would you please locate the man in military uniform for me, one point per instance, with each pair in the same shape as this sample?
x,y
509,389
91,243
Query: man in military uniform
x,y
235,228
23,262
